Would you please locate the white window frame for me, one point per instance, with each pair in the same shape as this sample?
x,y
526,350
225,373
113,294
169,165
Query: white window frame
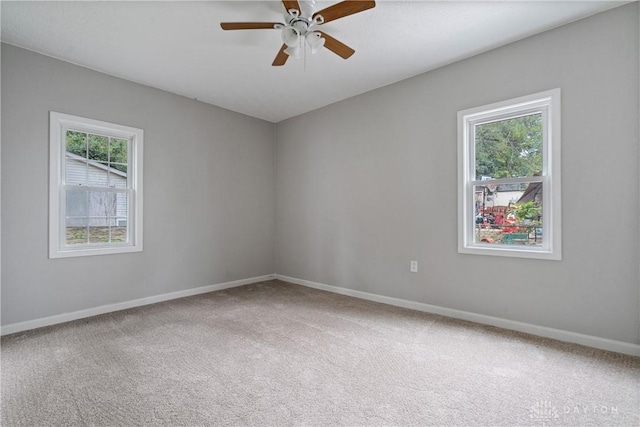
x,y
59,123
547,103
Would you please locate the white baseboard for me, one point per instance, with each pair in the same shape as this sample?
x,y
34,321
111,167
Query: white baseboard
x,y
542,331
81,314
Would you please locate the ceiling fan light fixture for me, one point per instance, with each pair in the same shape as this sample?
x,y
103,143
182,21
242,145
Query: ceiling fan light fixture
x,y
315,41
293,51
291,36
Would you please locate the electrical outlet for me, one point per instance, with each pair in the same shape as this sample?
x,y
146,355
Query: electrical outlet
x,y
414,266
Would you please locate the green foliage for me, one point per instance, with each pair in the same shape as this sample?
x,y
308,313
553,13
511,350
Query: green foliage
x,y
76,143
527,210
509,148
106,150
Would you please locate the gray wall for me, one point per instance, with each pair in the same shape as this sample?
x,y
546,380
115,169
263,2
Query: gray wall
x,y
208,191
368,184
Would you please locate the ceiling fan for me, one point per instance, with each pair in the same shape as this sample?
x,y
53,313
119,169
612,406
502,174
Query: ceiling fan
x,y
297,28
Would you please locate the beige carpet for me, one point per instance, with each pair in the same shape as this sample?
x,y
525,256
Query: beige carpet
x,y
275,354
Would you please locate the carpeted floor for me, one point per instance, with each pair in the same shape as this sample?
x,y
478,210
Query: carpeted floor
x,y
275,354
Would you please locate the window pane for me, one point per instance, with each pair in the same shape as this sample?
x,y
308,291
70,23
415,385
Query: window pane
x,y
77,217
508,214
118,151
76,235
122,210
98,174
77,206
98,148
102,206
76,143
509,148
98,234
118,176
119,232
75,172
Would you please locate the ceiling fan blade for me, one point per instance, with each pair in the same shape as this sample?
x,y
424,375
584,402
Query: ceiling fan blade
x,y
291,4
248,25
337,47
281,57
345,8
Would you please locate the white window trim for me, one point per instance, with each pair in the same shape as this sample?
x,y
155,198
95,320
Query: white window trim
x,y
549,103
58,125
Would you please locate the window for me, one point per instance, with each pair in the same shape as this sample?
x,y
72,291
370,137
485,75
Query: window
x,y
509,178
95,187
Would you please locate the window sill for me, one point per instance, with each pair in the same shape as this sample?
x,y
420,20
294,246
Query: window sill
x,y
513,251
91,251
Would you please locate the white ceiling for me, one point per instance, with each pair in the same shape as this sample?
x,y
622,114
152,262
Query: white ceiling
x,y
180,47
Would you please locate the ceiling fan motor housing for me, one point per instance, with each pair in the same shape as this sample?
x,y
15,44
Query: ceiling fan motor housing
x,y
302,25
